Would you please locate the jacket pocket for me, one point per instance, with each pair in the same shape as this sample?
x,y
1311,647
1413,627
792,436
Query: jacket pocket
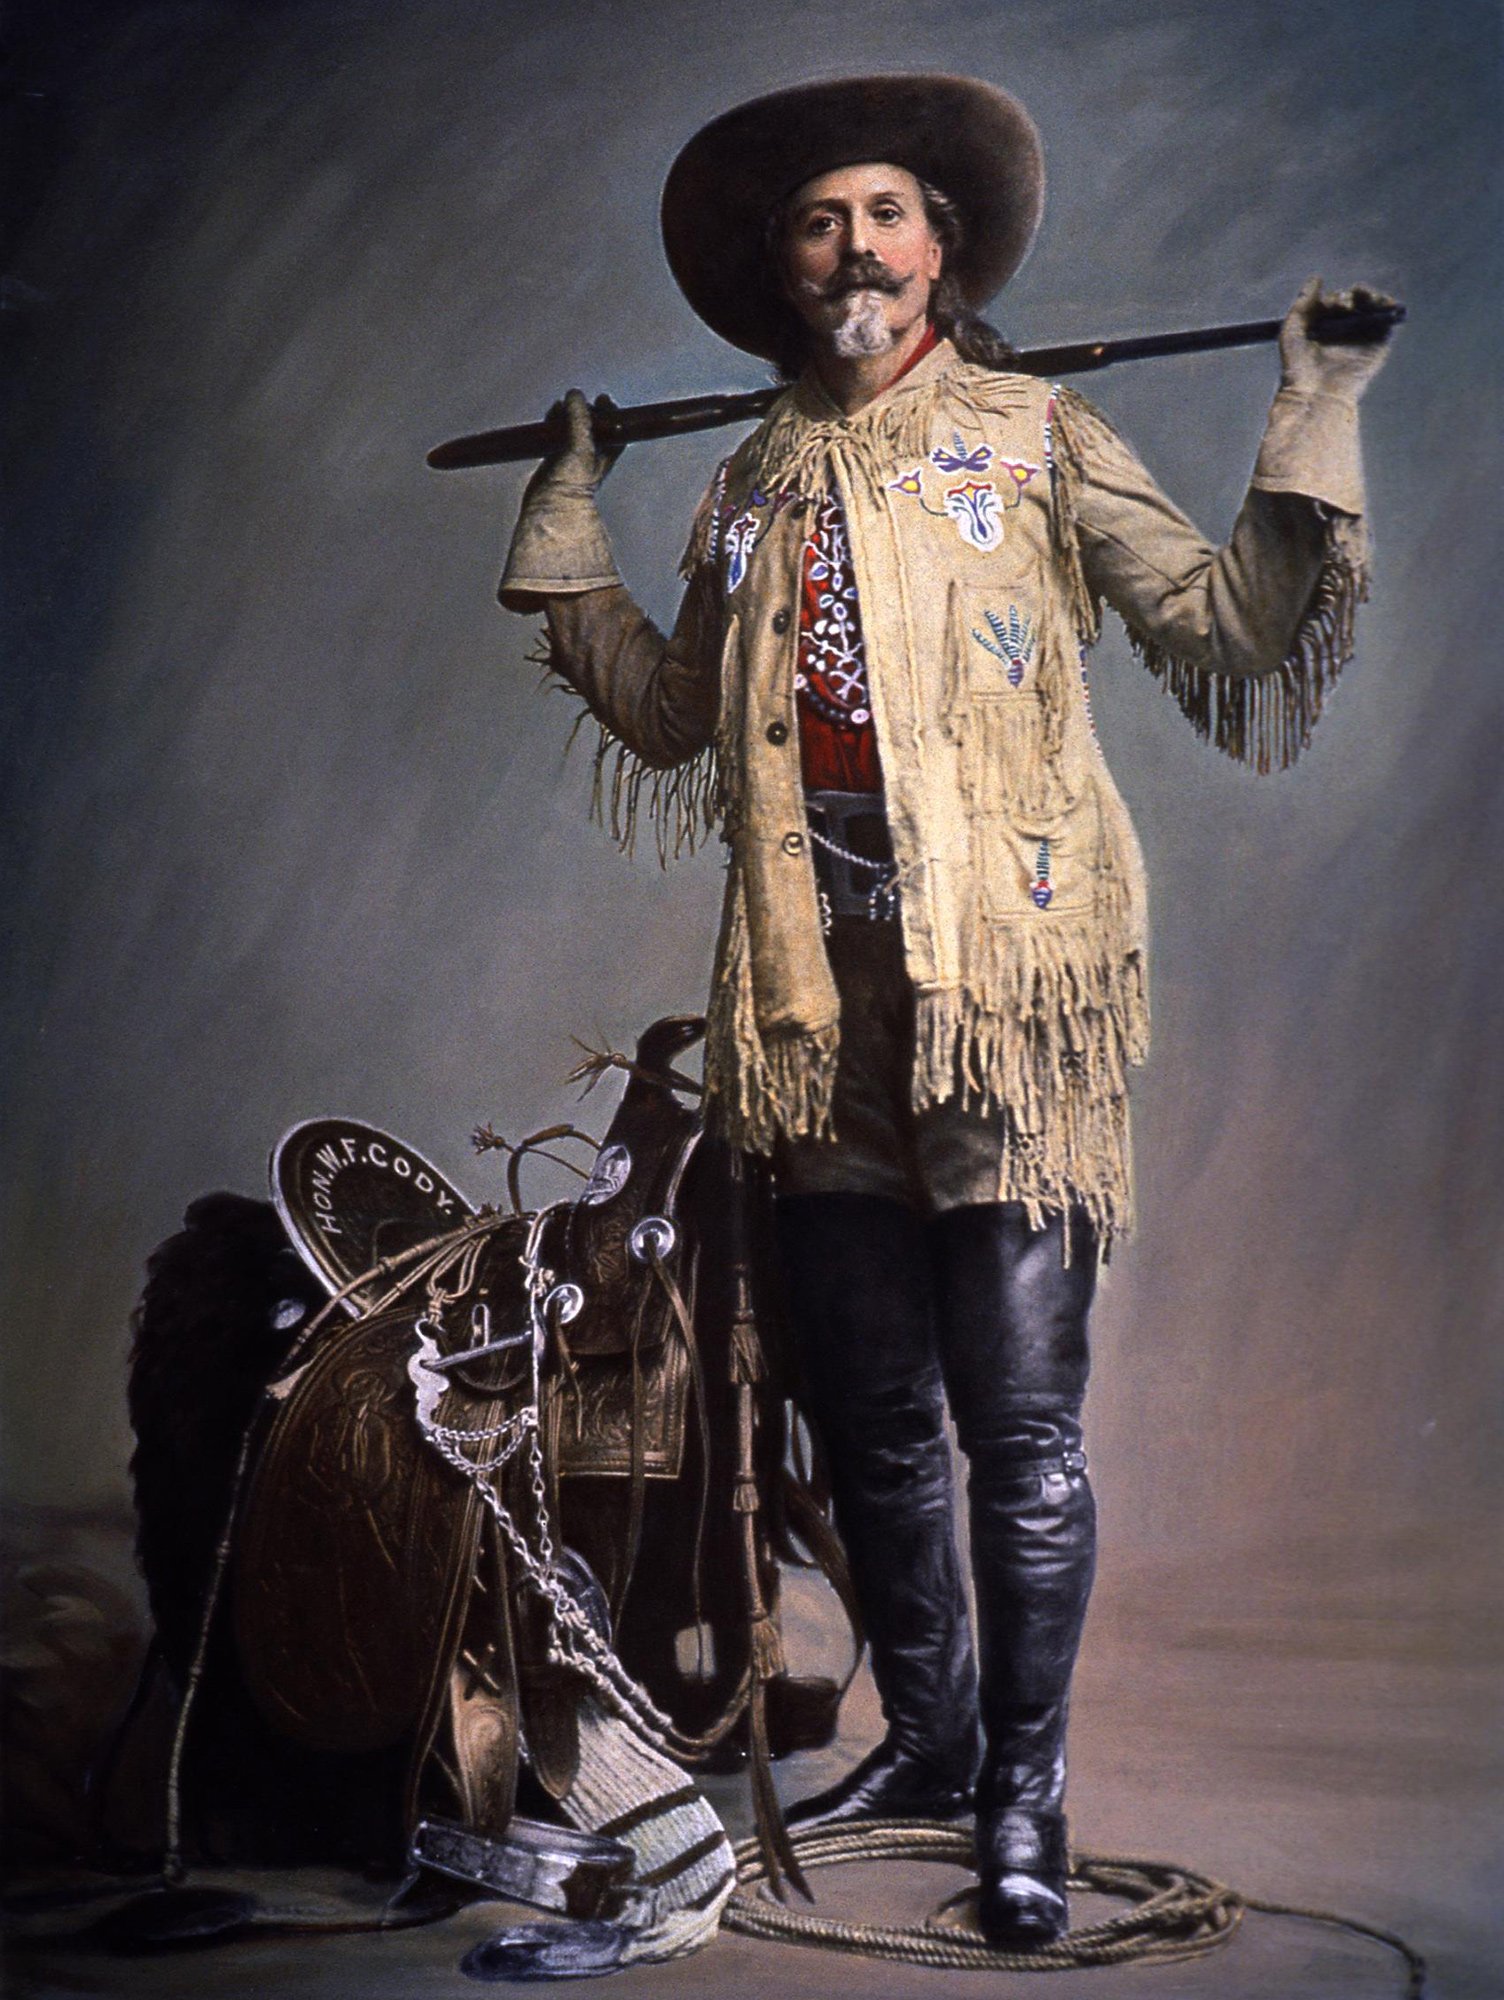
x,y
1000,711
1036,863
995,630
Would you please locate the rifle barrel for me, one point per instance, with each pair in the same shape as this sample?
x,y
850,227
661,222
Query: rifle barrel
x,y
640,422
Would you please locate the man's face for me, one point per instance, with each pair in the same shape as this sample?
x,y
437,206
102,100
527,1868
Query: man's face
x,y
860,257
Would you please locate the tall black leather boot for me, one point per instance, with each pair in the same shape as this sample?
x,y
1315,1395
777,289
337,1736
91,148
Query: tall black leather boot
x,y
1013,1341
857,1274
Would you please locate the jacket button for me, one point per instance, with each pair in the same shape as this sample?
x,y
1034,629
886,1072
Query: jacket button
x,y
793,843
780,621
778,732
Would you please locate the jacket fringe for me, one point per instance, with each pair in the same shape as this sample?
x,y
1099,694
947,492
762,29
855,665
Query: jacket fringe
x,y
1044,1004
1070,420
794,451
1045,1032
759,1089
1266,720
1261,720
681,802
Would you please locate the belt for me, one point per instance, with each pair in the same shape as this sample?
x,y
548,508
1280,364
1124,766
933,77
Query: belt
x,y
852,882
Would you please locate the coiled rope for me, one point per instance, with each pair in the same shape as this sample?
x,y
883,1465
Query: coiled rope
x,y
1174,1913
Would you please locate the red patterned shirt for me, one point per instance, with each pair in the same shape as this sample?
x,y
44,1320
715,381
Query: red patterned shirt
x,y
837,743
838,747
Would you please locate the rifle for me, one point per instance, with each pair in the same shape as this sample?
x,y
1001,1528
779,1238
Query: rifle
x,y
614,427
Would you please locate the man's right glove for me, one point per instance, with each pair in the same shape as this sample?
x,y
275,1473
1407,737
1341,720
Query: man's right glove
x,y
560,546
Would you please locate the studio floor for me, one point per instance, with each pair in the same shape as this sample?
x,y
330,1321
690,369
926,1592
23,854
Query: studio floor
x,y
1315,1727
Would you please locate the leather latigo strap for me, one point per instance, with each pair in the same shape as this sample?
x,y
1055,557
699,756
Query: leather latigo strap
x,y
626,1363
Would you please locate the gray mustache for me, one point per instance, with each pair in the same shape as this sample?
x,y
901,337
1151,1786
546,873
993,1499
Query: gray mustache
x,y
862,274
866,274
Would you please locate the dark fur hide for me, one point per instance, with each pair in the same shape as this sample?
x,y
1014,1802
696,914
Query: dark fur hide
x,y
206,1341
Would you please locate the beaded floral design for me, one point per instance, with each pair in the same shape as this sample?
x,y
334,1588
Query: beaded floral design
x,y
976,510
976,505
739,535
741,539
1009,639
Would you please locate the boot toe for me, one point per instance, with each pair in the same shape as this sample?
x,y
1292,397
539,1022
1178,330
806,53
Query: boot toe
x,y
1022,1865
1021,1913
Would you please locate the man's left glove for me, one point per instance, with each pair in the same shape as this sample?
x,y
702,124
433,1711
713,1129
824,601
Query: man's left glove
x,y
1310,444
560,546
1329,368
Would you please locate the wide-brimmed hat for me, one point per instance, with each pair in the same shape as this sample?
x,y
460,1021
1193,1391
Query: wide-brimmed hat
x,y
969,139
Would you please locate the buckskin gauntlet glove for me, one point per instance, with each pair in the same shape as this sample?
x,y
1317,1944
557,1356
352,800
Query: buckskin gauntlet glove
x,y
1329,368
560,546
1310,445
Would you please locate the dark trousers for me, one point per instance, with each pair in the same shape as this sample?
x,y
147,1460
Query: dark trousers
x,y
898,1311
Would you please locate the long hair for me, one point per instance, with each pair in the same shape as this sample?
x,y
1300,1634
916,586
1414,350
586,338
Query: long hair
x,y
973,337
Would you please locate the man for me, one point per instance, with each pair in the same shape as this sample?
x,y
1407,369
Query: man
x,y
930,982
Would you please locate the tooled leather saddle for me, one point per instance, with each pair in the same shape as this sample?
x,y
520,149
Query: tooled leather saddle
x,y
611,1365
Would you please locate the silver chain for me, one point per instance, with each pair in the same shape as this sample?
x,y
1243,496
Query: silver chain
x,y
572,1640
860,860
882,897
511,1429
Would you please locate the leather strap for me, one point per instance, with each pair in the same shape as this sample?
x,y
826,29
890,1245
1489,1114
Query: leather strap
x,y
809,1523
686,1325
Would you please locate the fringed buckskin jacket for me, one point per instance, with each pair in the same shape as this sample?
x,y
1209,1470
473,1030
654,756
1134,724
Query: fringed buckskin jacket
x,y
990,517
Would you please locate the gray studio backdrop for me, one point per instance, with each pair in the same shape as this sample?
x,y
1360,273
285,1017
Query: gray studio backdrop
x,y
297,832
